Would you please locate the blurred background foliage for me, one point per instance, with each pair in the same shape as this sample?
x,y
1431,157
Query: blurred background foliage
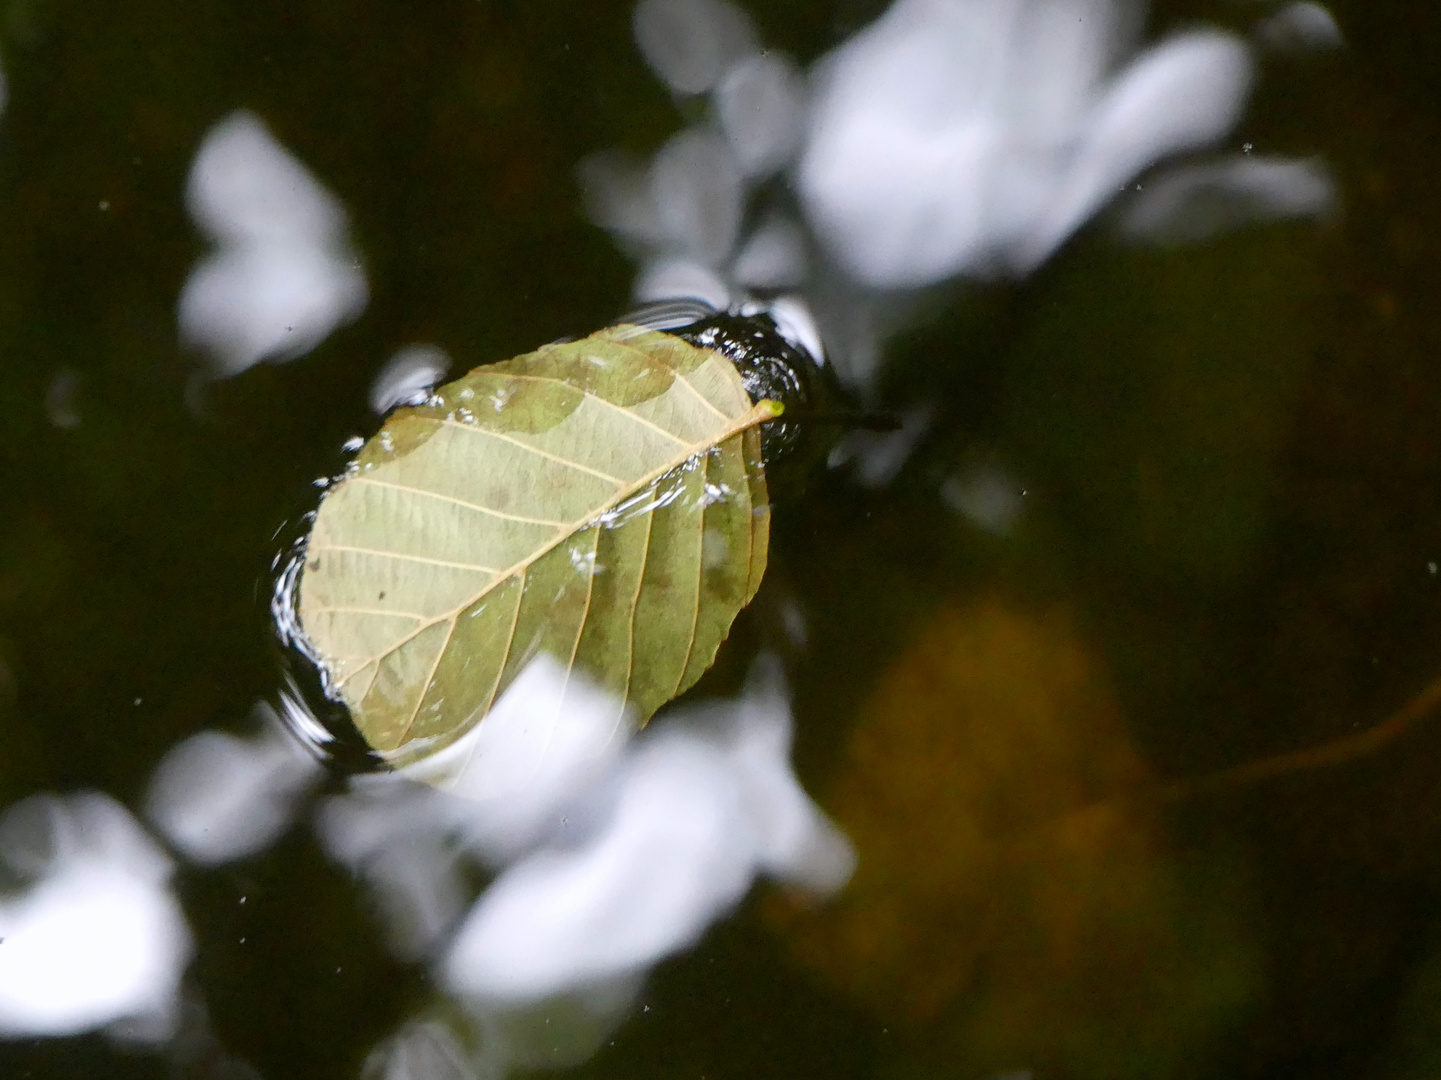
x,y
1231,455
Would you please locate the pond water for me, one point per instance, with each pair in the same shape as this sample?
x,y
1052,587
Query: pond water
x,y
1160,518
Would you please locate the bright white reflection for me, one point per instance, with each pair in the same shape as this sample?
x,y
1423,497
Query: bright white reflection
x,y
501,789
968,136
218,797
615,855
1197,201
550,735
696,184
760,105
675,836
691,44
774,257
985,495
949,138
683,214
680,279
408,377
1300,27
283,275
93,935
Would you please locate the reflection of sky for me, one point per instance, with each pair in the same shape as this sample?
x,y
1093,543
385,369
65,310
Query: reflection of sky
x,y
94,935
949,138
685,821
968,136
609,855
282,276
614,858
218,797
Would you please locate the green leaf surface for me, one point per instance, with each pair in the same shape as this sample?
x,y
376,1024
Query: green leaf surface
x,y
603,501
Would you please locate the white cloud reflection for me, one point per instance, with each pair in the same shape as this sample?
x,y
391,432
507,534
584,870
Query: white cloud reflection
x,y
93,936
408,377
283,275
691,44
1196,201
490,796
760,105
949,138
550,735
218,797
614,856
692,815
1300,27
969,136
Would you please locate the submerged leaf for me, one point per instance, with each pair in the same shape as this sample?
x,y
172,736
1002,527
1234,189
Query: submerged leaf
x,y
602,501
1009,899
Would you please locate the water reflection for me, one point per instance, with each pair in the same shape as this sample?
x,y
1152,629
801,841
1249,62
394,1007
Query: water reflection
x,y
950,137
608,854
619,858
91,934
283,275
958,136
692,44
218,797
408,377
1208,199
1300,27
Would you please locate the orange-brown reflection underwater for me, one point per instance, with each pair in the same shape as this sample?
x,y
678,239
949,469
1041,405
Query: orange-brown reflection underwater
x,y
1011,898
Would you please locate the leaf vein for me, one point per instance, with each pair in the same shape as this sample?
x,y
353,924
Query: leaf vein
x,y
368,663
750,518
478,430
369,611
672,436
699,575
429,679
648,357
451,499
635,608
575,649
758,414
401,555
684,381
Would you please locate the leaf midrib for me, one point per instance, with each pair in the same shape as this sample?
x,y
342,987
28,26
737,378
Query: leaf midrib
x,y
758,413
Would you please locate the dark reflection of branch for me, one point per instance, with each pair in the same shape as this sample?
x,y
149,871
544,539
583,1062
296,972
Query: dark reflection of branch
x,y
1327,755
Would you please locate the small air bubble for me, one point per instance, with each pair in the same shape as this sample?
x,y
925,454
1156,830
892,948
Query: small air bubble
x,y
352,444
321,482
1431,568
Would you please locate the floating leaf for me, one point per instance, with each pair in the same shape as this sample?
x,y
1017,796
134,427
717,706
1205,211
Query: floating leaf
x,y
602,501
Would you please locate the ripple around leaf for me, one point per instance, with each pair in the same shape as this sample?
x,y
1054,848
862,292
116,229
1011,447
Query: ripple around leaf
x,y
602,501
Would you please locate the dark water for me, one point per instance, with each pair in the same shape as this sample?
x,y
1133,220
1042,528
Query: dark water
x,y
1232,462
